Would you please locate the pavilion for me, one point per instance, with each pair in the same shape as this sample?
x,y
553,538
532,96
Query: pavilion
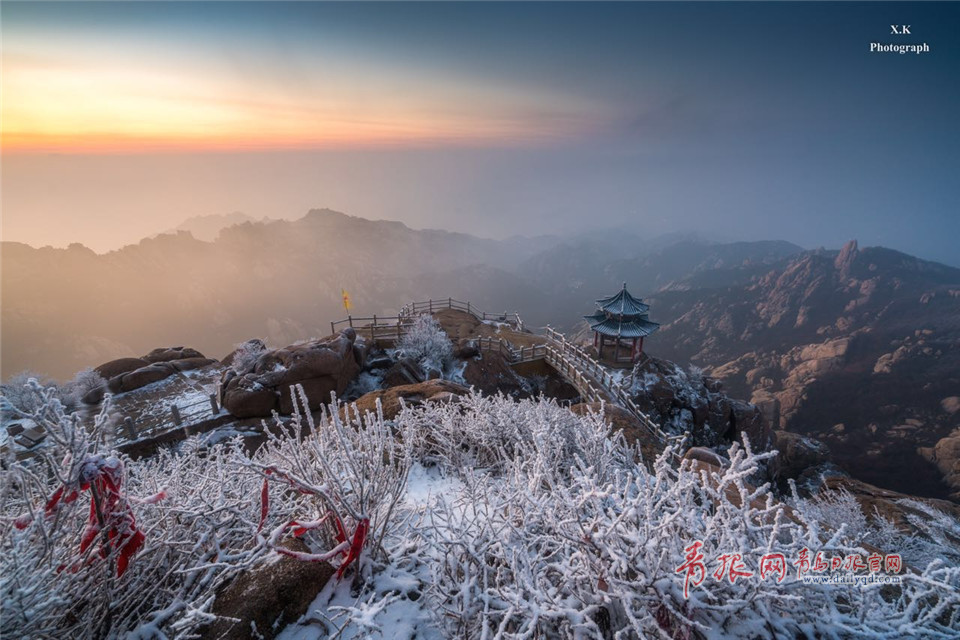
x,y
622,319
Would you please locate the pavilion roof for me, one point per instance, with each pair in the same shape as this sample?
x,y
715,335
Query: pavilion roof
x,y
637,327
622,303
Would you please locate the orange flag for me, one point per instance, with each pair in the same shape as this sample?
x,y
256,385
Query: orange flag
x,y
346,299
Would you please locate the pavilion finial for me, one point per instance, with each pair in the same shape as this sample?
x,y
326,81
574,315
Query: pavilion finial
x,y
624,286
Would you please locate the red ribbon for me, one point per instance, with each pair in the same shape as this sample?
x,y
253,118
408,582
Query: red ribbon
x,y
104,476
359,534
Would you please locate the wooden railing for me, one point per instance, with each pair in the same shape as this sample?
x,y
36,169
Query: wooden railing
x,y
393,327
595,382
413,309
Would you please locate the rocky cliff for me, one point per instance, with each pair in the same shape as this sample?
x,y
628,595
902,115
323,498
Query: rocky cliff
x,y
860,348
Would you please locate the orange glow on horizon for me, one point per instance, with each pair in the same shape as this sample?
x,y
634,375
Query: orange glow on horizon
x,y
62,107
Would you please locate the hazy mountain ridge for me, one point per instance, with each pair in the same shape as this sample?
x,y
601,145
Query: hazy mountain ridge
x,y
208,227
860,348
278,279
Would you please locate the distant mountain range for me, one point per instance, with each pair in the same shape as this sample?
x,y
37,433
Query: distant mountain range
x,y
859,347
207,228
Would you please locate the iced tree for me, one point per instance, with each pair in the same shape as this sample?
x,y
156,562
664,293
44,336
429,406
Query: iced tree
x,y
20,395
427,344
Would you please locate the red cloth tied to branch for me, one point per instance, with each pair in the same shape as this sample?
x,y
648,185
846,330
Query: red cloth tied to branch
x,y
352,550
103,477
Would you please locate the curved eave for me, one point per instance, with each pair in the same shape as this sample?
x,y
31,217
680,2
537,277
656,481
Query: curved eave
x,y
623,304
637,329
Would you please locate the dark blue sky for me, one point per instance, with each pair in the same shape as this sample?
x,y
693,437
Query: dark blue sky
x,y
742,120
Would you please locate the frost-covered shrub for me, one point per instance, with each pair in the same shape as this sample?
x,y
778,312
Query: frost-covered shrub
x,y
86,380
62,568
552,529
571,537
246,354
838,510
489,432
18,394
351,470
201,512
934,533
428,345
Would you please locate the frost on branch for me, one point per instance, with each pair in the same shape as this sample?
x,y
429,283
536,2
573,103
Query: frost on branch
x,y
426,344
198,508
350,471
570,537
548,527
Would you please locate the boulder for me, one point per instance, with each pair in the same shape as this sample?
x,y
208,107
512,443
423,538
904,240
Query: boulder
x,y
317,391
166,354
379,362
706,455
95,395
119,367
400,374
951,404
146,375
189,364
747,420
797,453
267,598
247,398
411,394
492,374
468,351
321,366
684,400
946,455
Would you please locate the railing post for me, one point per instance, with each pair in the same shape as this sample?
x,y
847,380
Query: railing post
x,y
449,303
332,329
131,431
430,302
350,320
468,307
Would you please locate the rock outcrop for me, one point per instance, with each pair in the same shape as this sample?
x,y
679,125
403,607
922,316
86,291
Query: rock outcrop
x,y
858,348
946,455
129,374
410,394
262,602
688,401
119,366
321,367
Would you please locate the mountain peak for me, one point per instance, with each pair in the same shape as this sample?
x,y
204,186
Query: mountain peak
x,y
846,257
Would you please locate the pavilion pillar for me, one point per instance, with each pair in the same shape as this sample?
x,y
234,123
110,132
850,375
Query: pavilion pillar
x,y
616,350
595,336
641,347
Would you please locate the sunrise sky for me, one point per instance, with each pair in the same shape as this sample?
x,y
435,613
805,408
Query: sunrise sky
x,y
120,119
